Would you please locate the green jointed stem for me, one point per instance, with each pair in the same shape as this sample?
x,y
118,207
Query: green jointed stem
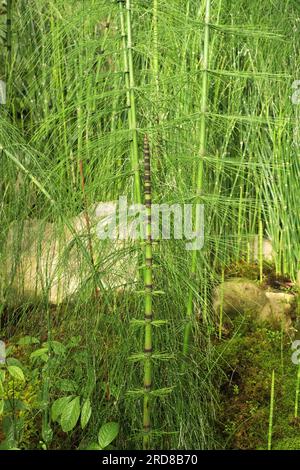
x,y
148,284
189,309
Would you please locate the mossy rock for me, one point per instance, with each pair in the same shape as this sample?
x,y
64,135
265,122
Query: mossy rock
x,y
243,297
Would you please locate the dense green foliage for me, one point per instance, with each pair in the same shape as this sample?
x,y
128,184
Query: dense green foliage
x,y
86,80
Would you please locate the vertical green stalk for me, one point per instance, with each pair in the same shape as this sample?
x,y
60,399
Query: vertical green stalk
x,y
125,57
133,120
189,308
272,400
158,115
155,62
148,284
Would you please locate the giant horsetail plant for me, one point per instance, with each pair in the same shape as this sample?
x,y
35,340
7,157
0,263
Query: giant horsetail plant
x,y
147,356
132,122
199,182
148,285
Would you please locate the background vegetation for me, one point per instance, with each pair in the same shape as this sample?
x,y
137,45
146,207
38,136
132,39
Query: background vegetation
x,y
86,80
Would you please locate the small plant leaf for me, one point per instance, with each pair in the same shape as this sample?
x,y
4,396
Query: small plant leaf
x,y
12,361
1,407
16,372
38,353
70,415
108,432
59,406
85,413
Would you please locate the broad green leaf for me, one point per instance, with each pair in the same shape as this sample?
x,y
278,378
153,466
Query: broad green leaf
x,y
108,432
16,372
70,415
1,407
12,361
85,413
38,353
59,406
